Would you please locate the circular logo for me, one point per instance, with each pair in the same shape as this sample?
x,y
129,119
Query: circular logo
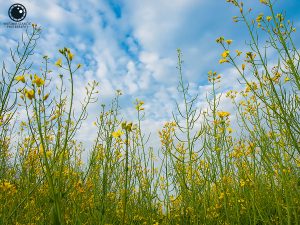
x,y
17,12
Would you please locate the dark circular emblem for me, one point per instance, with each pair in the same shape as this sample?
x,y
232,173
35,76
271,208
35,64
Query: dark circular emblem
x,y
17,12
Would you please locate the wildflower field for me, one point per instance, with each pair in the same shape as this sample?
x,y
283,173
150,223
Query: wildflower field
x,y
203,172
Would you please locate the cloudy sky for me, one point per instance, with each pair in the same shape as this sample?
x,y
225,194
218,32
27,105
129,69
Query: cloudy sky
x,y
131,45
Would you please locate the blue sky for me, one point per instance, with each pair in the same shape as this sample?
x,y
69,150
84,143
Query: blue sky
x,y
131,45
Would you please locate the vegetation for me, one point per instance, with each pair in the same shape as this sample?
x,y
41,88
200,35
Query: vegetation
x,y
208,172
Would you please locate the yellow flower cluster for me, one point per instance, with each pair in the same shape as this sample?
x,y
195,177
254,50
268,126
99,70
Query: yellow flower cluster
x,y
213,77
59,62
223,114
127,126
7,186
20,78
38,80
167,132
29,93
139,105
117,134
225,55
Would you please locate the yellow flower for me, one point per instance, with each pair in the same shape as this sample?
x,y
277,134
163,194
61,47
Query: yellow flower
x,y
38,81
139,105
259,18
242,183
46,97
243,66
20,78
127,126
233,2
225,54
78,66
54,117
286,79
298,162
250,55
117,134
238,52
264,1
220,39
6,186
70,55
223,114
58,63
222,195
280,17
269,18
49,153
29,94
223,61
229,41
235,19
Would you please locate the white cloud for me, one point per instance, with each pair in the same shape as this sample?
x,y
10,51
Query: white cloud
x,y
137,52
162,69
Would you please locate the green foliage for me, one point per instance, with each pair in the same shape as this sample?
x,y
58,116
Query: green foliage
x,y
208,173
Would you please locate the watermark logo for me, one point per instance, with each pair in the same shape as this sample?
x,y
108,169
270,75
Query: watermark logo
x,y
17,12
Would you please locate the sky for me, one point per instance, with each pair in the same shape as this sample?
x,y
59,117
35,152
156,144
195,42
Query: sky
x,y
131,45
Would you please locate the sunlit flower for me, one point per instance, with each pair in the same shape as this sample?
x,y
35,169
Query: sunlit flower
x,y
46,96
222,195
225,54
58,63
229,41
264,1
139,105
117,134
49,154
220,39
259,18
250,55
7,186
38,81
29,94
242,183
223,114
127,126
20,78
70,55
286,79
223,61
243,66
280,17
238,52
